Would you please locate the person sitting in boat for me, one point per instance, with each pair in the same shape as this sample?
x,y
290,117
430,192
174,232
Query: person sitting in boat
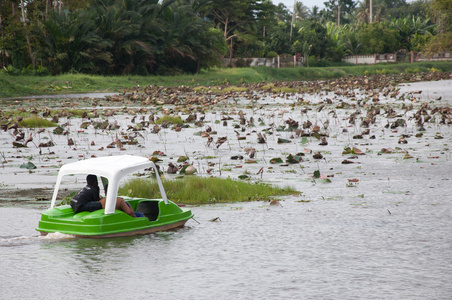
x,y
88,199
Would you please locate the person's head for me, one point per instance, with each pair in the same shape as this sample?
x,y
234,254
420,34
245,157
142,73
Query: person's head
x,y
91,180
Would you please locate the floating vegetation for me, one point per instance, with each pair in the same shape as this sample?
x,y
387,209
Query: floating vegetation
x,y
169,119
200,190
395,192
29,165
352,184
36,122
245,132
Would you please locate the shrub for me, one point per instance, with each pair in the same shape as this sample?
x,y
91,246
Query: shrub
x,y
39,71
322,63
241,63
272,54
382,71
411,70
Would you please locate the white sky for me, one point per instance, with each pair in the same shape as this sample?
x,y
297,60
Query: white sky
x,y
308,3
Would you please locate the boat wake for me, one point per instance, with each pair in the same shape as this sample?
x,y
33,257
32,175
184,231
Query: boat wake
x,y
56,236
12,241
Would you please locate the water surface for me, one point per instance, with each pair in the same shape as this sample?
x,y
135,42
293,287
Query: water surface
x,y
387,236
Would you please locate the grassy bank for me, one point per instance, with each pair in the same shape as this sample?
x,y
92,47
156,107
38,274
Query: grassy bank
x,y
200,190
16,86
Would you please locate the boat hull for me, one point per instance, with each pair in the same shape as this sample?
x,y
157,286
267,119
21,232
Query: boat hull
x,y
159,216
133,232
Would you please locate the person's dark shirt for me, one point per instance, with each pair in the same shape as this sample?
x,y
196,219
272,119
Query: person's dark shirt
x,y
85,195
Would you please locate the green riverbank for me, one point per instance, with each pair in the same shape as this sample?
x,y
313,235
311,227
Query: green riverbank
x,y
25,85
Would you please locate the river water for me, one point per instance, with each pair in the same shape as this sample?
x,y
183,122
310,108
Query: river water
x,y
319,250
386,237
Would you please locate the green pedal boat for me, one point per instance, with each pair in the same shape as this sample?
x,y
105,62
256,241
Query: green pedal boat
x,y
159,214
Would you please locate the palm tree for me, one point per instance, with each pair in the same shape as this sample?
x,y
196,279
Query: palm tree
x,y
301,12
352,43
189,42
282,14
68,43
131,31
362,13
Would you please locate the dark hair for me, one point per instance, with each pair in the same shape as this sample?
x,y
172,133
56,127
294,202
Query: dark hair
x,y
91,179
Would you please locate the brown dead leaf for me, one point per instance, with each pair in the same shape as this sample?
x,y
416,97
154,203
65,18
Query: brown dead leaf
x,y
358,151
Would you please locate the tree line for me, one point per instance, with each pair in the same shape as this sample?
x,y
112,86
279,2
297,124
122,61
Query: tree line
x,y
117,37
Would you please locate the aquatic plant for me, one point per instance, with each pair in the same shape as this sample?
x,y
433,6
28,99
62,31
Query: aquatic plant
x,y
36,122
170,119
201,190
204,89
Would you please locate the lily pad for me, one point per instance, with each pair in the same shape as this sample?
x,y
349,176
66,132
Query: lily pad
x,y
354,150
316,174
304,140
18,145
276,160
29,165
283,141
182,159
155,159
58,130
293,159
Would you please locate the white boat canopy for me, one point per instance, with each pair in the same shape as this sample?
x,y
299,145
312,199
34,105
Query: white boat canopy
x,y
114,168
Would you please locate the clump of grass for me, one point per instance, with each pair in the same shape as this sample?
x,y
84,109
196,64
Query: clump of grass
x,y
411,70
170,119
380,72
278,89
200,190
36,122
268,86
215,89
235,89
285,90
71,112
9,115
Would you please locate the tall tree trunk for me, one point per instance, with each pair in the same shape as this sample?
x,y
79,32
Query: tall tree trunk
x,y
2,52
47,8
230,53
30,50
15,15
291,22
14,9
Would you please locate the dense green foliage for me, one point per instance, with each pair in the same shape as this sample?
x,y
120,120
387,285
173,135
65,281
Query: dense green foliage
x,y
113,37
170,37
